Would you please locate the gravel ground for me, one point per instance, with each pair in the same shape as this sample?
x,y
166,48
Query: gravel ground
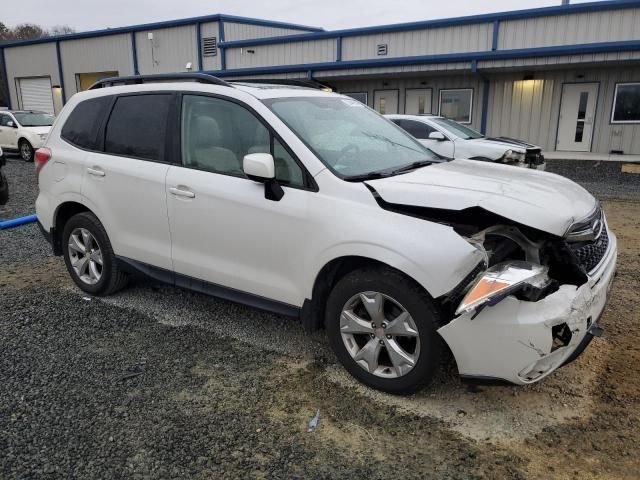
x,y
604,179
25,242
157,382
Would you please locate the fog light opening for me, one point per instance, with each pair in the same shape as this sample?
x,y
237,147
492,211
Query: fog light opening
x,y
561,335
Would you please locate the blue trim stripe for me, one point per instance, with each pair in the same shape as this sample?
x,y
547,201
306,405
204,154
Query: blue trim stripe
x,y
165,24
60,73
605,47
199,44
5,78
447,22
496,35
134,53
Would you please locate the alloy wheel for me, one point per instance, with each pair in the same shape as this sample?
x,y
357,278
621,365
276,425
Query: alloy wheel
x,y
85,256
25,152
379,334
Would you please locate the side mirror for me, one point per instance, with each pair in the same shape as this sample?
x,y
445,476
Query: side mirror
x,y
11,124
260,167
437,136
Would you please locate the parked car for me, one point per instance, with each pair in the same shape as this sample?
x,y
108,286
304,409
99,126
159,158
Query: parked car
x,y
309,204
24,131
451,139
4,183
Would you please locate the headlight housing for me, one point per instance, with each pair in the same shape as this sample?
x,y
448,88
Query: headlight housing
x,y
502,280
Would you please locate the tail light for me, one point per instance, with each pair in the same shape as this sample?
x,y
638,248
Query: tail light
x,y
43,155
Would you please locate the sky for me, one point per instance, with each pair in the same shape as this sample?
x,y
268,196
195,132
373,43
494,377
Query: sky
x,y
330,14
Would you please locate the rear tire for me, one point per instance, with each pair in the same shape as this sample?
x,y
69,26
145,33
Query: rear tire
x,y
89,256
407,354
26,151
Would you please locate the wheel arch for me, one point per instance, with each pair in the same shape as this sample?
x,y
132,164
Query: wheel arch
x,y
313,309
61,216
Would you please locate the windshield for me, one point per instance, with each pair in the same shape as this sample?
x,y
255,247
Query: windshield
x,y
36,119
348,137
456,128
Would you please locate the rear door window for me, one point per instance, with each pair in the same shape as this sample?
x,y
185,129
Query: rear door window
x,y
137,126
82,126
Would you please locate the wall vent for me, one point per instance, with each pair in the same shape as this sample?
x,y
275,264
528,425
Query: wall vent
x,y
382,49
209,46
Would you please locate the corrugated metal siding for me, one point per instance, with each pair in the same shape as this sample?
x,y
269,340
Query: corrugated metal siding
x,y
242,31
434,82
467,38
80,56
30,61
530,110
351,72
282,54
604,26
211,30
560,60
172,49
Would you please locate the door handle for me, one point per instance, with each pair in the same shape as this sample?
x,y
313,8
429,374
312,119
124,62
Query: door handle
x,y
178,192
96,172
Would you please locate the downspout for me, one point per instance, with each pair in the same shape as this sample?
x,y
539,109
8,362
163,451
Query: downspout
x,y
60,74
5,78
223,57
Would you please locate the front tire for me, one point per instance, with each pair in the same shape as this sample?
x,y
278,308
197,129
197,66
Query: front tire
x,y
382,327
26,150
89,256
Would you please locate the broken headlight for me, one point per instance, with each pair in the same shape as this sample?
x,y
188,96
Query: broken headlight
x,y
503,280
514,156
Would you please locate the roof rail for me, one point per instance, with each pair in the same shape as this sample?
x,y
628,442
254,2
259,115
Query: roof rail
x,y
293,82
159,77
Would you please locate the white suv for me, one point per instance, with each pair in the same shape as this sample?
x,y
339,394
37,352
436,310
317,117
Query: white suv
x,y
24,131
310,204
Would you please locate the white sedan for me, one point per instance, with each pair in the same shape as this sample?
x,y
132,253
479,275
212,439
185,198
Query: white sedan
x,y
24,131
451,139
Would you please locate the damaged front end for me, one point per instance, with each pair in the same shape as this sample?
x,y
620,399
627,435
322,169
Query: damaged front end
x,y
533,304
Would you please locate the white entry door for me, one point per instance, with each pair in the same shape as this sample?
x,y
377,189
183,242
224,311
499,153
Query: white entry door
x,y
386,101
36,94
577,111
417,101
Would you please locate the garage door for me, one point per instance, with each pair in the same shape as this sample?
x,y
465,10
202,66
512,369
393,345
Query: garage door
x,y
35,94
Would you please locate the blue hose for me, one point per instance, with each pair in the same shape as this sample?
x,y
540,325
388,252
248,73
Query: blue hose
x,y
16,222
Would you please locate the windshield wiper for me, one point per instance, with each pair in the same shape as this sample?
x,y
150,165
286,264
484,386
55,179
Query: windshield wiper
x,y
367,176
412,166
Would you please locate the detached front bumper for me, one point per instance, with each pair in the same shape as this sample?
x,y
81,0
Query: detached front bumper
x,y
523,342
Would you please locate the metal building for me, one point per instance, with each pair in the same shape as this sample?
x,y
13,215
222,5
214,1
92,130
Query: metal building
x,y
564,77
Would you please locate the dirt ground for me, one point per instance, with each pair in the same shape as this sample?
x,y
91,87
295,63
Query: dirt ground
x,y
213,401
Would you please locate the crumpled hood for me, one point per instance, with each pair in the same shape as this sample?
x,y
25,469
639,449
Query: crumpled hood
x,y
507,142
38,130
540,200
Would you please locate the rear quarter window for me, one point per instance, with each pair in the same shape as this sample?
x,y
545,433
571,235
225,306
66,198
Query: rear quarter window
x,y
82,125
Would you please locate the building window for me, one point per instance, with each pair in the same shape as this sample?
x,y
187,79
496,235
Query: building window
x,y
626,103
456,104
362,97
